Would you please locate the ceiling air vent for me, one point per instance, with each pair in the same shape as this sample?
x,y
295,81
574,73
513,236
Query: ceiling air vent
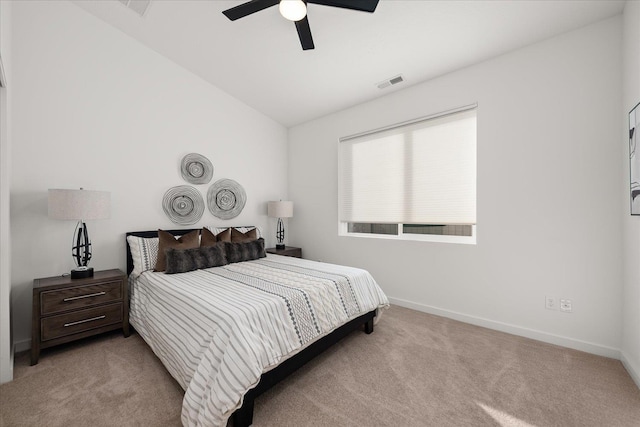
x,y
389,82
138,6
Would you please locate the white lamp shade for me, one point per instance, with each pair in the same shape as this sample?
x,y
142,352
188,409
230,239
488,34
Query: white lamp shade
x,y
79,204
281,209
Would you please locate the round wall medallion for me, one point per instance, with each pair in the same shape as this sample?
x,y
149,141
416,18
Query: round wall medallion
x,y
196,169
183,204
226,198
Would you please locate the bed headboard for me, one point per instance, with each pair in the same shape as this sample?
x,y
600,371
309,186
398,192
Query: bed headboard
x,y
147,234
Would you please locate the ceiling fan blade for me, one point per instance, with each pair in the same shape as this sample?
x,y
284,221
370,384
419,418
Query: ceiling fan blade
x,y
362,5
304,33
248,8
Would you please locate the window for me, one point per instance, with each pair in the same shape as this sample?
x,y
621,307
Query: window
x,y
413,181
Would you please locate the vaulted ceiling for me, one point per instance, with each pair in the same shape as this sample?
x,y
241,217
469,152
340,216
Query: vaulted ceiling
x,y
258,59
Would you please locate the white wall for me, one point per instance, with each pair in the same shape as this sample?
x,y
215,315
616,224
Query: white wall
x,y
6,347
549,200
95,109
630,224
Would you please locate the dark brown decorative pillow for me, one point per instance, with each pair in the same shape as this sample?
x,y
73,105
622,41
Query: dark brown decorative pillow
x,y
238,236
224,236
166,241
244,251
184,260
207,238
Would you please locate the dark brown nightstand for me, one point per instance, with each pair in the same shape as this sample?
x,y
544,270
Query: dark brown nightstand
x,y
287,251
66,309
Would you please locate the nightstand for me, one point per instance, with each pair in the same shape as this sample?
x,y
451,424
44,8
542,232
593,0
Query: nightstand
x,y
66,309
287,251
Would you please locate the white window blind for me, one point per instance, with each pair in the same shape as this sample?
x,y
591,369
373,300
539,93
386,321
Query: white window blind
x,y
423,172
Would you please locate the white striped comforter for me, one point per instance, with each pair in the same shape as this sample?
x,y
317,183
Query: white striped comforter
x,y
217,330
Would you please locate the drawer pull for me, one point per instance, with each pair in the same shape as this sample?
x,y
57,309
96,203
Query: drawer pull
x,y
84,321
97,294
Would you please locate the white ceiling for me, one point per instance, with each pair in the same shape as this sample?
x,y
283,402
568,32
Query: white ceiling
x,y
258,59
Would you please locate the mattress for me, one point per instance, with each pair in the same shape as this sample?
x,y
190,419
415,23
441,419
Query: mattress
x,y
217,330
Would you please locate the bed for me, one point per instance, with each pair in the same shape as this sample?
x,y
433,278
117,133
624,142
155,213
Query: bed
x,y
231,332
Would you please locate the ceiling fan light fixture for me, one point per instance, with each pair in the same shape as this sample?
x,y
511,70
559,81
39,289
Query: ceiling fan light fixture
x,y
296,11
293,10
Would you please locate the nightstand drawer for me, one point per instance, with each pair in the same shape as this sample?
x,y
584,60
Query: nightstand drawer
x,y
81,320
65,299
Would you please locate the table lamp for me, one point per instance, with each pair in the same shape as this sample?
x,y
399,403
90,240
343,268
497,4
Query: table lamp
x,y
80,205
281,209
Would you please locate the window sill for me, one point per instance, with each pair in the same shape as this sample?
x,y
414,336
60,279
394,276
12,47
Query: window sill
x,y
433,238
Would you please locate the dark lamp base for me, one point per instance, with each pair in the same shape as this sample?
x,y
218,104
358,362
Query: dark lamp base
x,y
280,247
82,273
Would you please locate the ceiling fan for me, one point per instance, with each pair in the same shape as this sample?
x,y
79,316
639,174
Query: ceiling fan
x,y
296,10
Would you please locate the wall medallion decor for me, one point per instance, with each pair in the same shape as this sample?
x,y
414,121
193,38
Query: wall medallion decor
x,y
226,198
183,204
196,169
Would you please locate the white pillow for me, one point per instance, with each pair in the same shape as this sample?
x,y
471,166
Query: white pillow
x,y
144,251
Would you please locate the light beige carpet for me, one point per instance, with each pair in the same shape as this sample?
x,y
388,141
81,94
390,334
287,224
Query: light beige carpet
x,y
414,370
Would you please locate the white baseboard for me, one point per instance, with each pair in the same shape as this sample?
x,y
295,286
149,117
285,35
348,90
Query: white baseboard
x,y
585,346
20,346
631,368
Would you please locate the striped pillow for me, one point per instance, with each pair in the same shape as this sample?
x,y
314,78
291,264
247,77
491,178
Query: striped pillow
x,y
144,251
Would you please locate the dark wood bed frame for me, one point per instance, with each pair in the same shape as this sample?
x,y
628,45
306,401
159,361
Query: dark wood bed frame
x,y
243,416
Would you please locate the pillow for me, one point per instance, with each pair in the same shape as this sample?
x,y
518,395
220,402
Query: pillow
x,y
207,238
239,236
183,260
224,235
245,229
244,251
167,240
144,251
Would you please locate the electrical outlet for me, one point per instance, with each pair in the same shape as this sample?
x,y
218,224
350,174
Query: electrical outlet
x,y
565,305
551,303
